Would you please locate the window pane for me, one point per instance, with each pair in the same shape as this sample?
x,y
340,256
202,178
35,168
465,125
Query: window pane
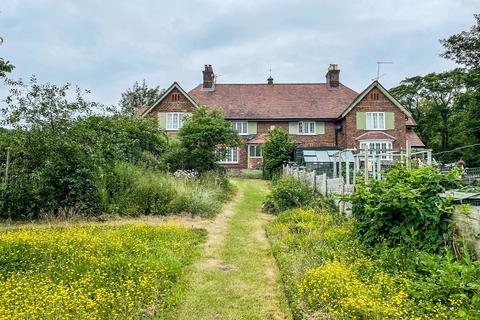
x,y
233,154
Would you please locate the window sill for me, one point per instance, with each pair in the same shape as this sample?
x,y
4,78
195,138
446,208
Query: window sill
x,y
376,129
227,162
250,157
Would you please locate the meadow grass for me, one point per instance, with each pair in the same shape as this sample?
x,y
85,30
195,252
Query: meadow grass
x,y
95,272
328,274
237,277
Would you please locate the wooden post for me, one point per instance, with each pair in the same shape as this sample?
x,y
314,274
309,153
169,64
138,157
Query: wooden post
x,y
335,167
365,169
347,171
408,156
340,167
379,171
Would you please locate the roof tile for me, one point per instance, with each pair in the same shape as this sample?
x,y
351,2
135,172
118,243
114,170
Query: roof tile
x,y
278,101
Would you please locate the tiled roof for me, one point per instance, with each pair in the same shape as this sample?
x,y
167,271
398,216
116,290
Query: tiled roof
x,y
258,139
411,122
278,101
414,139
140,110
375,135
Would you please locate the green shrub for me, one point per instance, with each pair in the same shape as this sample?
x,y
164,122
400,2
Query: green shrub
x,y
287,193
403,209
134,190
277,150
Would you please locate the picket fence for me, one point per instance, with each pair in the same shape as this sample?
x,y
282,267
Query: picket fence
x,y
321,184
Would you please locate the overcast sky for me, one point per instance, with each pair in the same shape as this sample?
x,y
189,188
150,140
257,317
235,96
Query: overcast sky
x,y
107,45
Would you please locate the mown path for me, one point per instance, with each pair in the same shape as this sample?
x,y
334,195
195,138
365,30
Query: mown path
x,y
236,277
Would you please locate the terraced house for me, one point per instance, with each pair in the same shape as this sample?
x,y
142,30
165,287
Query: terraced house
x,y
324,116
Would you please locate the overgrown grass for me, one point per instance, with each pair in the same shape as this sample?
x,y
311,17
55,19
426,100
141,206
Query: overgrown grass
x,y
133,190
329,274
94,272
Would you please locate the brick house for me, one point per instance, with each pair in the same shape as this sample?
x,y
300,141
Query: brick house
x,y
317,115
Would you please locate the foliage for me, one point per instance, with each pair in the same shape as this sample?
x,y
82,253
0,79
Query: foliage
x,y
288,193
137,96
446,105
132,190
56,171
120,138
200,136
5,67
404,209
36,105
277,150
464,48
328,273
94,272
430,99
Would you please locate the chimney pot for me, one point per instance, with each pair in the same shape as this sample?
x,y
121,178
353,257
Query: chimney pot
x,y
333,77
208,78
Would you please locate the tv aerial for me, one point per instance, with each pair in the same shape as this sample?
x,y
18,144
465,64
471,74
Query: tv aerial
x,y
378,69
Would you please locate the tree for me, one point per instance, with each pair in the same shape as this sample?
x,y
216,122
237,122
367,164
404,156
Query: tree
x,y
464,47
35,105
278,149
431,98
5,66
201,135
137,96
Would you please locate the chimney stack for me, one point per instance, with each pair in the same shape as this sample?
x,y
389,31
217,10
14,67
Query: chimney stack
x,y
270,81
208,78
333,77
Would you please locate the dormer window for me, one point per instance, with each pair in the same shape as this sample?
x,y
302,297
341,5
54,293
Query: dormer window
x,y
175,97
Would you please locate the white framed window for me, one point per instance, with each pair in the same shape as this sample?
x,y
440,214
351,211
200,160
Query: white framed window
x,y
377,146
255,151
227,154
306,127
375,120
174,120
241,127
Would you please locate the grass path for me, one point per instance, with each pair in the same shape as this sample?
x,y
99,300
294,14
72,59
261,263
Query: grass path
x,y
237,277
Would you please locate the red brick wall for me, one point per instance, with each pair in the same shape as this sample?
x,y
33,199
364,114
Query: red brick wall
x,y
349,131
321,140
167,105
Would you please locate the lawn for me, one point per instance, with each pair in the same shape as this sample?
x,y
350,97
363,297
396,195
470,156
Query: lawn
x,y
95,272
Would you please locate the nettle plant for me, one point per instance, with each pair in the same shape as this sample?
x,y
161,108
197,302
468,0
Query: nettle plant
x,y
404,209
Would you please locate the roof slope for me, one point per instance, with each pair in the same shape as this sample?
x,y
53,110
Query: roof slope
x,y
278,101
414,139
